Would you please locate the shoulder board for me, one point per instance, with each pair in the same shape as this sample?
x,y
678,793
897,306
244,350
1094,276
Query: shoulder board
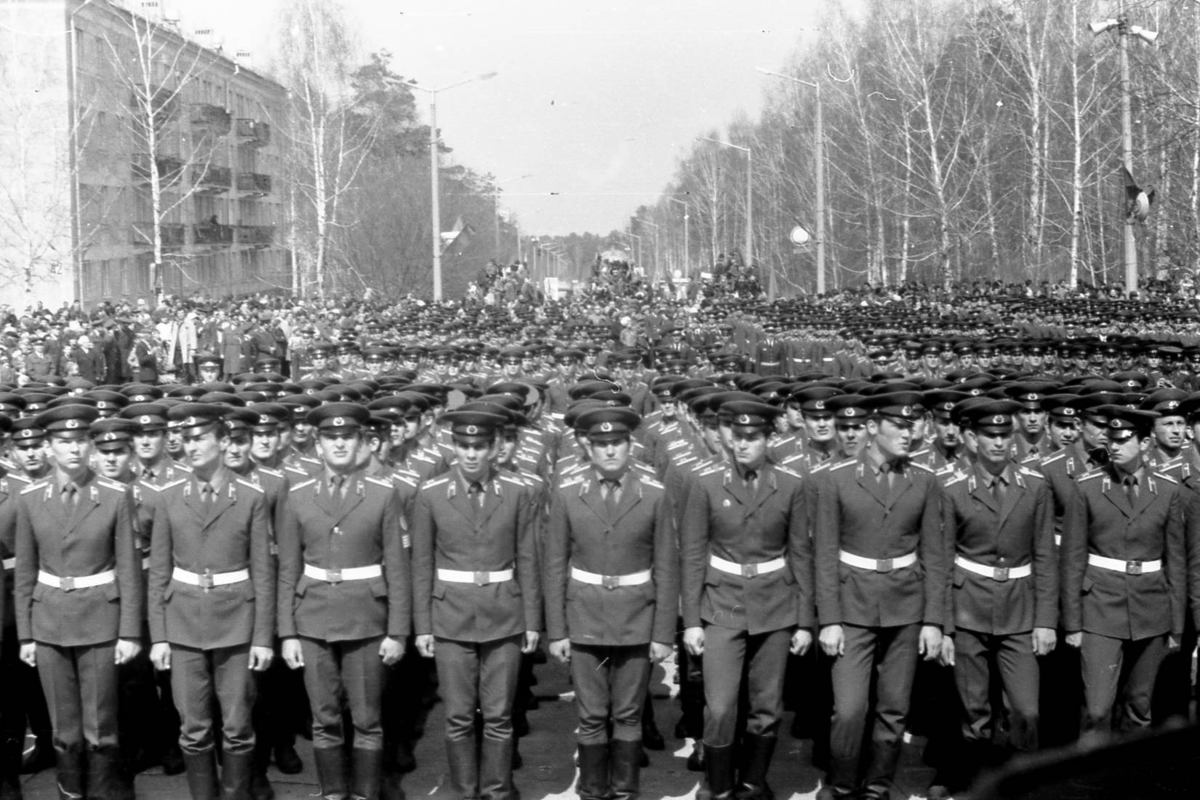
x,y
408,480
21,479
295,471
274,473
250,485
958,477
442,481
512,479
108,483
791,472
642,466
179,465
310,460
794,457
172,484
1032,473
378,482
821,466
569,482
154,487
678,443
922,467
1096,473
679,462
713,470
924,451
1055,457
648,481
844,464
1165,477
33,487
309,482
422,456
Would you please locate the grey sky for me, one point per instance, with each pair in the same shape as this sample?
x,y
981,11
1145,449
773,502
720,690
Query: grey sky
x,y
595,100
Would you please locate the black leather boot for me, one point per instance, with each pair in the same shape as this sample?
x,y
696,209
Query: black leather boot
x,y
331,772
625,769
718,769
70,772
235,775
201,774
104,775
593,772
756,754
367,773
495,769
10,769
462,761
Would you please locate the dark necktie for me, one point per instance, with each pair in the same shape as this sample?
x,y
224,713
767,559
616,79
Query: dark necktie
x,y
336,486
885,475
1131,488
999,490
147,473
611,490
752,480
475,492
70,496
206,493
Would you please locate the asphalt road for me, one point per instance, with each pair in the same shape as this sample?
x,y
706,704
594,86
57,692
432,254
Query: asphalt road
x,y
548,751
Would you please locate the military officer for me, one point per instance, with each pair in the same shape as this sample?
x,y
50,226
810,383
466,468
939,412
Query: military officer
x,y
476,600
75,555
1004,597
344,596
16,677
321,369
1124,573
154,465
611,535
746,590
212,601
880,576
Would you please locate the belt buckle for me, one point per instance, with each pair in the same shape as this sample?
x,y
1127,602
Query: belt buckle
x,y
1000,574
749,570
481,578
333,576
610,581
1133,567
206,580
883,564
66,584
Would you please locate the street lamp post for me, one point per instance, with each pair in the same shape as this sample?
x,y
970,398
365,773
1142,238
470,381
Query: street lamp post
x,y
749,209
657,269
819,169
633,235
1124,31
686,265
433,173
496,209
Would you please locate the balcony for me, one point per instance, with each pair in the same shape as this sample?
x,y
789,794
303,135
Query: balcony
x,y
213,117
254,183
211,179
212,235
256,235
141,234
170,170
256,134
161,102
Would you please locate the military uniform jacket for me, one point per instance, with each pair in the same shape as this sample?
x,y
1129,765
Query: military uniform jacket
x,y
639,535
96,536
450,531
232,533
723,518
1018,533
364,528
10,485
857,514
1102,520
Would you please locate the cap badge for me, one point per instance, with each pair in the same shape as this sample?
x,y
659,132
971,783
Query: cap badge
x,y
144,419
606,427
263,419
472,430
820,405
744,419
997,420
906,411
72,424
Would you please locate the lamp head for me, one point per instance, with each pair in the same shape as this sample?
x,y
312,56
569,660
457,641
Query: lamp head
x,y
1103,26
1145,35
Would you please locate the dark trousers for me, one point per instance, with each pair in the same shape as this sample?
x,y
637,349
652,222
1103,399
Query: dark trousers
x,y
1108,663
762,657
81,692
349,673
200,676
977,656
883,658
21,697
478,676
610,679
